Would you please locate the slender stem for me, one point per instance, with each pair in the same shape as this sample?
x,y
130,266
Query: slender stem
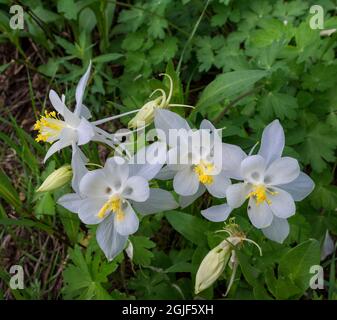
x,y
191,36
98,122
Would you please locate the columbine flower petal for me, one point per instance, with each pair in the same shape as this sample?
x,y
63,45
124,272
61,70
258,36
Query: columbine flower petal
x,y
186,182
236,194
219,185
217,213
128,222
95,185
272,142
282,171
158,201
89,209
253,168
281,203
136,188
80,91
278,230
109,240
233,156
117,171
260,215
185,201
71,202
300,188
166,120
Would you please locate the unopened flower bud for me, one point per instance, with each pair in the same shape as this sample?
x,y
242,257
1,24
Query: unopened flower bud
x,y
212,266
218,258
145,115
57,179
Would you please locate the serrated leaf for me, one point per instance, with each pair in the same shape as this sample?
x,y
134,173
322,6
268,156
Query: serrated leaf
x,y
141,255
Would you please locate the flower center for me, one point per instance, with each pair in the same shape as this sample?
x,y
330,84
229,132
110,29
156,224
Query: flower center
x,y
114,204
259,194
204,171
49,127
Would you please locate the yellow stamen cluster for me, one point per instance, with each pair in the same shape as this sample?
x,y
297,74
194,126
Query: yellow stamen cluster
x,y
48,126
114,204
204,171
260,194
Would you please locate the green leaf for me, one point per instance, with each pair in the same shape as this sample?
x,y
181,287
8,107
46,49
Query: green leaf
x,y
141,255
7,191
321,135
192,228
164,51
107,57
70,222
84,278
279,105
296,263
68,8
227,85
45,205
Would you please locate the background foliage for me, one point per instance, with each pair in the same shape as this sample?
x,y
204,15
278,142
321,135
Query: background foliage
x,y
242,63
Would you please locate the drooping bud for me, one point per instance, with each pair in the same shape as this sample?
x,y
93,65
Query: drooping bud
x,y
216,261
212,266
57,179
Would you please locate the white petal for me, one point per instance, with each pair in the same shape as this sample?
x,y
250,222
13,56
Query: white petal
x,y
328,246
282,204
217,213
260,215
94,184
69,117
219,186
278,230
166,120
272,142
186,182
166,173
232,157
158,201
85,132
185,201
236,194
281,171
300,188
253,169
116,170
85,112
78,167
145,164
136,188
89,209
71,202
129,223
207,125
80,90
57,146
109,240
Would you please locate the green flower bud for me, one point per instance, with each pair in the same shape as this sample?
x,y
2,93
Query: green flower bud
x,y
57,179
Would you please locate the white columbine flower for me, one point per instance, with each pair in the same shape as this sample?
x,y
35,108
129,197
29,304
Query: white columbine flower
x,y
74,130
271,183
198,161
108,197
